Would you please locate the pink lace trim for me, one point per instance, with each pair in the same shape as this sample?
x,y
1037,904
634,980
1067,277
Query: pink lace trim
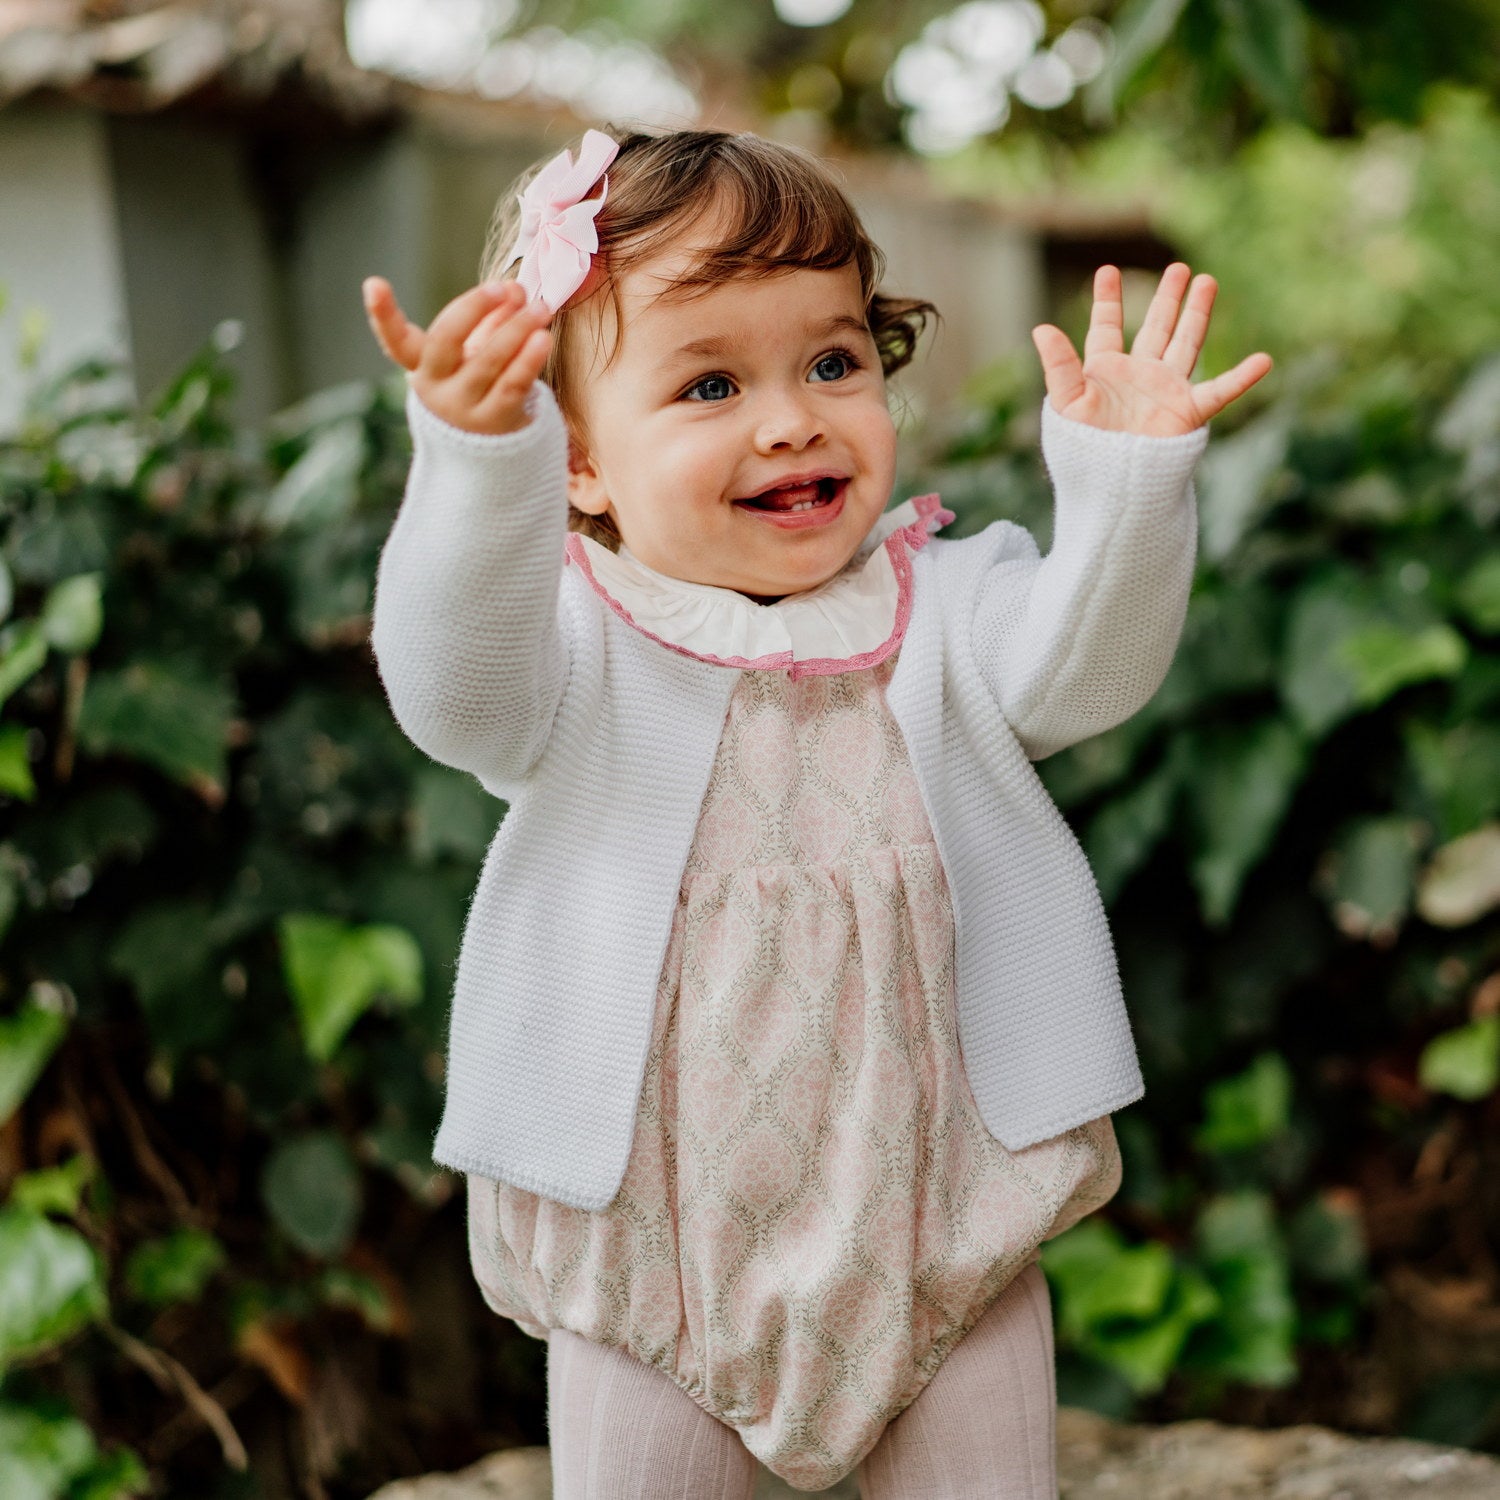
x,y
931,514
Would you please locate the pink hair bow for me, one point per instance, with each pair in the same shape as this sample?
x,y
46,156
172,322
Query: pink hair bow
x,y
557,236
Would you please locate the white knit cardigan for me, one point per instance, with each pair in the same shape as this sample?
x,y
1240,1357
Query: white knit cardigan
x,y
503,661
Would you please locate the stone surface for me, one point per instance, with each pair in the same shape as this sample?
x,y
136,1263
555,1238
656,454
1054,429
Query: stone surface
x,y
1103,1460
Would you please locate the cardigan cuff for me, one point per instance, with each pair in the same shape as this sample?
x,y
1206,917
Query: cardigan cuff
x,y
1079,455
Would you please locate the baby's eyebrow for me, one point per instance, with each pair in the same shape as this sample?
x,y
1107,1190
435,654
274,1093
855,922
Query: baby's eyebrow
x,y
721,344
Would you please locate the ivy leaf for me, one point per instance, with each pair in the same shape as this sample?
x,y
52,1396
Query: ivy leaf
x,y
23,649
1457,770
1240,784
1464,1062
51,1283
1267,42
1478,594
336,971
16,779
1123,833
1242,1252
1100,1277
44,1451
1237,479
450,814
27,1041
1384,658
174,1268
1248,1109
311,1189
1317,684
166,715
1462,881
1369,876
73,613
322,486
54,1190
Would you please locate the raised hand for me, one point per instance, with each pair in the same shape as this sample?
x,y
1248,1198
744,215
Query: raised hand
x,y
474,364
1149,390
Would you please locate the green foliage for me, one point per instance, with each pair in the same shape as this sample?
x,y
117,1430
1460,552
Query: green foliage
x,y
1299,836
216,842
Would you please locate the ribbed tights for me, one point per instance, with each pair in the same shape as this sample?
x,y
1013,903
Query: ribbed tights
x,y
983,1428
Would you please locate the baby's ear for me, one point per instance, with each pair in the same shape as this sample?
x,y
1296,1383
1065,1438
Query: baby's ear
x,y
585,484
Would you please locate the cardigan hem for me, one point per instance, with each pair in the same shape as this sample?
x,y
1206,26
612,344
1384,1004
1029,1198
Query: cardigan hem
x,y
529,1182
1060,1123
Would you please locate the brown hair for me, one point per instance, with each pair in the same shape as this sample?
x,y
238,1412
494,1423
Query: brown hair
x,y
781,210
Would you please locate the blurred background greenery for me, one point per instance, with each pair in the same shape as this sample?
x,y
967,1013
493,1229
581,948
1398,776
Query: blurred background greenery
x,y
231,892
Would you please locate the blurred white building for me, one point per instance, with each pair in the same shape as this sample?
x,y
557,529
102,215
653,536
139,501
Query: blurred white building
x,y
166,167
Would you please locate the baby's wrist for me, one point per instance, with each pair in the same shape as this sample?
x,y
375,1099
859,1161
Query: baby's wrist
x,y
422,417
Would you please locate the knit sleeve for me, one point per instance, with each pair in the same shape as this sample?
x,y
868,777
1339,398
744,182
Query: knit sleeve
x,y
465,629
1073,643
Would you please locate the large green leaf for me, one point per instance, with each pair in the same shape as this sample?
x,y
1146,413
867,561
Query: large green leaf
x,y
167,715
51,1283
1240,477
311,1187
1128,1306
1120,837
1239,784
322,487
1267,42
336,971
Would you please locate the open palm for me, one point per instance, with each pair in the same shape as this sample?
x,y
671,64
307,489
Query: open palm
x,y
1149,390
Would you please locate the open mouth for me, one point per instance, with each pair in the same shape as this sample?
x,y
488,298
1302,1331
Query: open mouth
x,y
817,494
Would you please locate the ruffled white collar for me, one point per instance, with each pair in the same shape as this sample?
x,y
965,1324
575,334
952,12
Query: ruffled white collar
x,y
854,620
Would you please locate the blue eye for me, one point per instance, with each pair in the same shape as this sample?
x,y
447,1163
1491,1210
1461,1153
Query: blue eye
x,y
838,357
710,380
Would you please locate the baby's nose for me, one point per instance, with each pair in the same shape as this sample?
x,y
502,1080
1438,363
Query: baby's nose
x,y
787,422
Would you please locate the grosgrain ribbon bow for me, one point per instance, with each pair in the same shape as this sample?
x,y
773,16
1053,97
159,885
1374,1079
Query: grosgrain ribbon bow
x,y
557,237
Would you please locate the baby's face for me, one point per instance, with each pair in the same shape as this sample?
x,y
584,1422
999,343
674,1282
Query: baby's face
x,y
715,398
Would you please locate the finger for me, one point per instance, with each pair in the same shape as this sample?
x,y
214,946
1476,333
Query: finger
x,y
1106,333
1187,341
481,335
1212,396
485,366
400,340
1161,316
507,394
1061,367
444,349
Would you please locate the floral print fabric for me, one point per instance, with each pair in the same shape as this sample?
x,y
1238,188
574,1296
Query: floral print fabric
x,y
813,1213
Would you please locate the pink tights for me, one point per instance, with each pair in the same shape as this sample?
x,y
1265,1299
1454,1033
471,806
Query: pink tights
x,y
983,1426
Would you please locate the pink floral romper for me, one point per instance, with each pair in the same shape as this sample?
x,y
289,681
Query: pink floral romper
x,y
813,1213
